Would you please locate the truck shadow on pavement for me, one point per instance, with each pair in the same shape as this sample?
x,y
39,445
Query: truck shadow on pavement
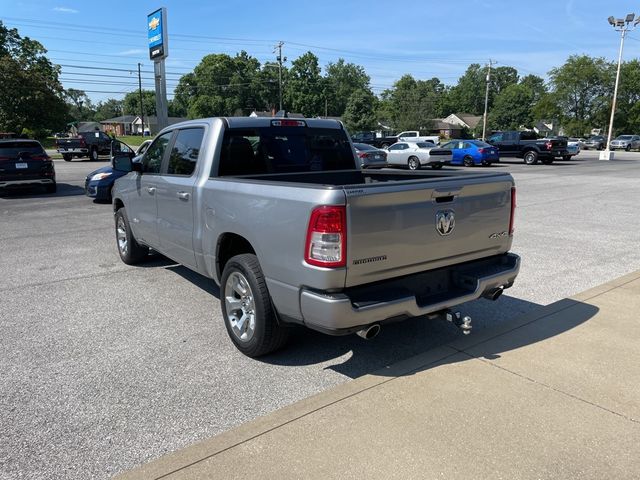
x,y
496,326
495,332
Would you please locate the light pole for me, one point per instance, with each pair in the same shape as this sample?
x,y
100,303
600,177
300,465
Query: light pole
x,y
622,25
486,101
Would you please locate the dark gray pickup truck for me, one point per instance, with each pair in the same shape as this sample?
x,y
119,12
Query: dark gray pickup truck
x,y
85,144
529,147
277,212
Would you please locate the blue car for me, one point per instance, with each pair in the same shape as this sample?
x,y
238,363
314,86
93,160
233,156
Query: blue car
x,y
471,152
99,183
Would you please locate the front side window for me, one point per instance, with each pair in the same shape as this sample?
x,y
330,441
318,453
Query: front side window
x,y
152,160
185,151
285,149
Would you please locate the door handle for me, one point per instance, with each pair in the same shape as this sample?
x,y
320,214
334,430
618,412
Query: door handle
x,y
151,190
183,195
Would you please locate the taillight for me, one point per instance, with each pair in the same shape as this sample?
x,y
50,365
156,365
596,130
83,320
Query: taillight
x,y
362,155
326,244
549,145
481,150
513,210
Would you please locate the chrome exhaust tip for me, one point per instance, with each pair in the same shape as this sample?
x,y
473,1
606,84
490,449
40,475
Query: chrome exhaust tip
x,y
494,294
369,332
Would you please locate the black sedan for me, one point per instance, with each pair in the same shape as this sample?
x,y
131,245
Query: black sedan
x,y
99,183
25,163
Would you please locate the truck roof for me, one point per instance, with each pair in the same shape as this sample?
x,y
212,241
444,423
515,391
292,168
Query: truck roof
x,y
249,122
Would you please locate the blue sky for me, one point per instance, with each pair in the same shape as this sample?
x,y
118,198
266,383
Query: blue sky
x,y
424,38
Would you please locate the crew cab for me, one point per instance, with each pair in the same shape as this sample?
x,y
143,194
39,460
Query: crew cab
x,y
527,146
85,144
278,213
415,136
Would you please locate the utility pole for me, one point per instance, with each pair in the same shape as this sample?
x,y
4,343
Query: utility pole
x,y
486,101
140,92
280,60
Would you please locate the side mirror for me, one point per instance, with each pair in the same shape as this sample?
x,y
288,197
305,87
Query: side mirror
x,y
124,164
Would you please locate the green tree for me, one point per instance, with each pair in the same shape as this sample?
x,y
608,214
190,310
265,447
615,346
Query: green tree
x,y
512,108
501,78
341,81
131,103
304,87
360,112
467,96
81,108
32,96
411,104
627,118
582,88
110,108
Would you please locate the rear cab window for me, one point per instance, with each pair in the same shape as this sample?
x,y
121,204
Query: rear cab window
x,y
283,149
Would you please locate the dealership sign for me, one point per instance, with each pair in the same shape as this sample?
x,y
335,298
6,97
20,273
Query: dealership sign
x,y
157,34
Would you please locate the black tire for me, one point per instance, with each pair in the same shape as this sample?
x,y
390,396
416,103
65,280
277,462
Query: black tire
x,y
130,251
436,166
468,161
51,187
93,154
243,286
67,157
601,147
384,145
566,158
413,163
531,157
628,148
547,161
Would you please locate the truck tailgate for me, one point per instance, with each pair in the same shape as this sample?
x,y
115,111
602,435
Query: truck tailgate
x,y
400,229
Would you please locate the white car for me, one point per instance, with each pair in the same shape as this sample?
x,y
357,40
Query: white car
x,y
416,155
414,136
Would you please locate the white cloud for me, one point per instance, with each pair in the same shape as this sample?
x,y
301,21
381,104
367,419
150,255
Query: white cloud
x,y
134,51
66,10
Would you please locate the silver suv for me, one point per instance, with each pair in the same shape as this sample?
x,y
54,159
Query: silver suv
x,y
626,142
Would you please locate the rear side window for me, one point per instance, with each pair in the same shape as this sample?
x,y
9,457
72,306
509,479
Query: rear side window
x,y
528,136
185,151
12,149
284,150
153,158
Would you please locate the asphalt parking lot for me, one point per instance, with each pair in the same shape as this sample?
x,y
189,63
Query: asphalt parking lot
x,y
105,366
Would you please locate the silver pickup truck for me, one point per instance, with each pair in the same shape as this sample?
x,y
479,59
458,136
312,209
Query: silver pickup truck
x,y
278,214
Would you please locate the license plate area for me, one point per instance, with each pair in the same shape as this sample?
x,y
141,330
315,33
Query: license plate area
x,y
21,165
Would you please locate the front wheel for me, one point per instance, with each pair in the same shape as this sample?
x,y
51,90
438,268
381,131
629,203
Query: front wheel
x,y
547,161
531,157
566,158
130,251
468,161
247,311
67,157
413,163
93,154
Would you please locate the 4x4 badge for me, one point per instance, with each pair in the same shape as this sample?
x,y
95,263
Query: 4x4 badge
x,y
445,222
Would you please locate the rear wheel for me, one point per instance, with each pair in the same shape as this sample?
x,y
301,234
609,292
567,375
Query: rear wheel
x,y
51,187
413,163
67,157
248,314
531,157
384,145
468,161
436,166
130,251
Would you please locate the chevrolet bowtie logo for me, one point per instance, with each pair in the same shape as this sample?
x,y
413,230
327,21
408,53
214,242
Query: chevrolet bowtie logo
x,y
153,24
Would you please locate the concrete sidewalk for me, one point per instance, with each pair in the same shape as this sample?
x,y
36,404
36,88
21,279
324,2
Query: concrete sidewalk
x,y
554,394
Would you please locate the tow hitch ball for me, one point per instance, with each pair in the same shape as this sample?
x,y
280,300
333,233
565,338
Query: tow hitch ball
x,y
463,323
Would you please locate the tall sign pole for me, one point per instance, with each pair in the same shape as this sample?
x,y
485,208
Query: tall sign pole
x,y
159,50
486,102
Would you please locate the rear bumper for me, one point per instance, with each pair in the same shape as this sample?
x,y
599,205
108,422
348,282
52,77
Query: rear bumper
x,y
412,296
73,151
25,182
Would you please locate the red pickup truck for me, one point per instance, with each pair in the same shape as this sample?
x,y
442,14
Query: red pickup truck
x,y
86,144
